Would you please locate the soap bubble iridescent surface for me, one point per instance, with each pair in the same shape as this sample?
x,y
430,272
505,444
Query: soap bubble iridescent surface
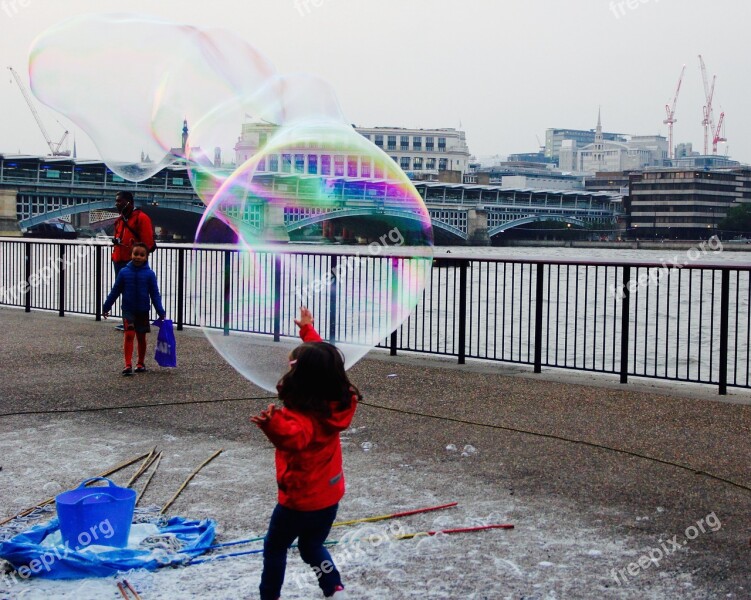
x,y
130,81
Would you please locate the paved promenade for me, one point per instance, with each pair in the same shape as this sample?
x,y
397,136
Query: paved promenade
x,y
597,477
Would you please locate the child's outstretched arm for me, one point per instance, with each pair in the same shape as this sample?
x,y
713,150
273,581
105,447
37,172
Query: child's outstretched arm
x,y
305,323
287,431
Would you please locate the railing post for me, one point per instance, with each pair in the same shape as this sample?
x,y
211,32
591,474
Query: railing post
x,y
463,264
277,297
724,317
98,282
227,294
61,282
332,299
180,288
538,317
27,276
625,314
394,304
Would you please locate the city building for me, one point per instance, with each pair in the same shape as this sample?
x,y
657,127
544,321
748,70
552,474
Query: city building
x,y
684,203
418,152
615,181
555,138
703,161
536,176
602,155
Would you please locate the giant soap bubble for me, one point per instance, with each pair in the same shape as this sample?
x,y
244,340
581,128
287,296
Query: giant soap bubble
x,y
130,81
314,178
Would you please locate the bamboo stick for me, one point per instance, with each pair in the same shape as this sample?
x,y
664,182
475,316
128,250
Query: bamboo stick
x,y
187,481
144,466
107,473
395,515
148,481
132,589
409,536
121,587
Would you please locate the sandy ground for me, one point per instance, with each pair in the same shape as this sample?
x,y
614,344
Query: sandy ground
x,y
582,512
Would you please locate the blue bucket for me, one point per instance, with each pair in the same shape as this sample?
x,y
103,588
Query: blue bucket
x,y
96,516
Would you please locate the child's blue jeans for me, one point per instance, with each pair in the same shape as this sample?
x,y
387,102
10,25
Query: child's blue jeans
x,y
311,528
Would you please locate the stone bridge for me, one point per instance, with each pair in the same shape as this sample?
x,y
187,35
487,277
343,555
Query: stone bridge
x,y
36,189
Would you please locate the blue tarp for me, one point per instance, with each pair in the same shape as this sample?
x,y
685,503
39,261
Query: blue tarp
x,y
33,554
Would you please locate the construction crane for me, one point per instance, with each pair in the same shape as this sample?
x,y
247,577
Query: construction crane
x,y
717,135
55,148
670,110
708,120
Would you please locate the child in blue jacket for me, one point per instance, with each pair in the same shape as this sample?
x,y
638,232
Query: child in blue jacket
x,y
137,284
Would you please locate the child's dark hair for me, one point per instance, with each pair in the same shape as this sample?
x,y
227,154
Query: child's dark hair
x,y
140,245
316,379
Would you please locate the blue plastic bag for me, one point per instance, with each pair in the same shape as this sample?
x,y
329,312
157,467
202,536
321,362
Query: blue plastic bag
x,y
166,346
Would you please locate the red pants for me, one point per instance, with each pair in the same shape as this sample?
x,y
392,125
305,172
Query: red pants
x,y
128,347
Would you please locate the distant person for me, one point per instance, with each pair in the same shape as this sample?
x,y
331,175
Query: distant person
x,y
319,402
137,284
131,227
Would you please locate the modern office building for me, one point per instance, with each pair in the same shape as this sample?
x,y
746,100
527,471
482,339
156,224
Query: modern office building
x,y
554,139
418,152
684,203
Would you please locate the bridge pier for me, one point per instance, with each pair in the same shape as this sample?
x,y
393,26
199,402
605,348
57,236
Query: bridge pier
x,y
477,227
274,229
8,217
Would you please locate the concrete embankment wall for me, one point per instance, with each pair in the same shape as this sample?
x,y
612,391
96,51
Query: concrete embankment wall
x,y
642,245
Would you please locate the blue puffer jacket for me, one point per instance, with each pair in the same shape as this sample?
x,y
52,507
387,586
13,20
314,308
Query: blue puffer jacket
x,y
139,289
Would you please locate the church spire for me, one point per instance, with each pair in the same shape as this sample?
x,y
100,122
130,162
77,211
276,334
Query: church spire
x,y
185,135
598,134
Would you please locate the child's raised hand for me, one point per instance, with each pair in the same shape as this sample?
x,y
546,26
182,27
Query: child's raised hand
x,y
265,416
306,317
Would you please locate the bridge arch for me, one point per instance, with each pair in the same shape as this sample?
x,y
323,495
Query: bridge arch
x,y
74,209
535,219
328,215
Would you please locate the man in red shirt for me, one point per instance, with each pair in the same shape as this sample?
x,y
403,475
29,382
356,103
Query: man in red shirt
x,y
133,225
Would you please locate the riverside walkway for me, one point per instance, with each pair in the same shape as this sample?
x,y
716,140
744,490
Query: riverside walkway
x,y
597,477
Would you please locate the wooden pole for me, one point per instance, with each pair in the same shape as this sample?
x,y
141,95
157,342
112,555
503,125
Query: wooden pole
x,y
187,481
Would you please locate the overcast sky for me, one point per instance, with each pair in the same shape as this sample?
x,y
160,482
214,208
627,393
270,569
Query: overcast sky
x,y
505,70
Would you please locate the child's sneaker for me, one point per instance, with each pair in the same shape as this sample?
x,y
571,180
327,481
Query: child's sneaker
x,y
140,369
127,371
339,593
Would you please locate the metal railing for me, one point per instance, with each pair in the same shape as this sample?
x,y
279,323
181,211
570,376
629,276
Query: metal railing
x,y
626,318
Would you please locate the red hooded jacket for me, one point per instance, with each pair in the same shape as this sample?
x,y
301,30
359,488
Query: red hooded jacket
x,y
308,451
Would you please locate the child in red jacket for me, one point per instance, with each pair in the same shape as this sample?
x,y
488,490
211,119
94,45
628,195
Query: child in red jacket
x,y
319,402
